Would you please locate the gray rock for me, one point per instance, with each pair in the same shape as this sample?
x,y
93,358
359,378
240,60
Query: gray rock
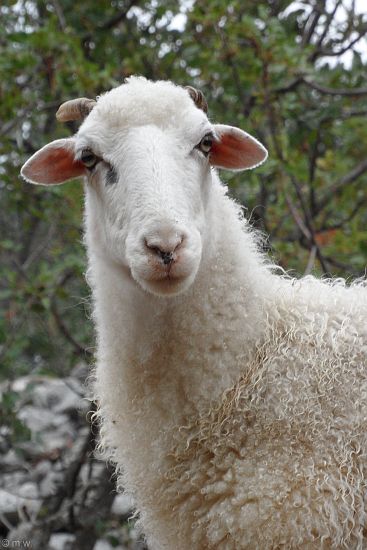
x,y
50,430
80,371
122,505
12,459
24,497
37,420
60,395
50,483
61,541
21,384
103,544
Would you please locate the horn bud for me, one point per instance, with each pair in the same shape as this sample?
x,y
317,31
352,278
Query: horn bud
x,y
198,98
75,109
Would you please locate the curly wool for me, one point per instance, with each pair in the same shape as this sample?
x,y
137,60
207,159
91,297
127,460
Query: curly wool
x,y
239,421
287,461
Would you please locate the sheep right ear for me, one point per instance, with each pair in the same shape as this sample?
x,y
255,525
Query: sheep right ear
x,y
53,164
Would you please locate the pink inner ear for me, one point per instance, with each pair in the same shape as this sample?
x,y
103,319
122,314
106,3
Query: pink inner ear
x,y
236,150
53,164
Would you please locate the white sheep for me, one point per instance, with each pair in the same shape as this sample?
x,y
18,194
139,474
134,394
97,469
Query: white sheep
x,y
232,399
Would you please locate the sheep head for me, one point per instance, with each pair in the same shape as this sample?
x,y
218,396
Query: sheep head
x,y
146,150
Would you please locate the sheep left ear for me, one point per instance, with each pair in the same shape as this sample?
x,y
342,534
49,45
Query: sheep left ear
x,y
234,149
53,164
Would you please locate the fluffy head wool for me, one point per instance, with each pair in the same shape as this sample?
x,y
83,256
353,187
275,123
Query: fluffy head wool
x,y
235,409
140,101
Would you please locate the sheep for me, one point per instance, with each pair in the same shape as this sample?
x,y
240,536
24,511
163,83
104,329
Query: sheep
x,y
232,398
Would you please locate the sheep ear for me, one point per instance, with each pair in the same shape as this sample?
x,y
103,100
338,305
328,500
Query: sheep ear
x,y
53,164
235,149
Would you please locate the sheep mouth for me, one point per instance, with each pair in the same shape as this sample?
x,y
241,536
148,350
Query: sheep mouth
x,y
167,285
167,280
173,272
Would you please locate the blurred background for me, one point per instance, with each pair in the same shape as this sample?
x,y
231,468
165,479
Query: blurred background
x,y
292,73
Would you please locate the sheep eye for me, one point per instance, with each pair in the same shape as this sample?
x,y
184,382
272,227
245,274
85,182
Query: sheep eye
x,y
89,159
206,144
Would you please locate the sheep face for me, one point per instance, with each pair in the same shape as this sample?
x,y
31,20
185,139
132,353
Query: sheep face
x,y
150,216
146,151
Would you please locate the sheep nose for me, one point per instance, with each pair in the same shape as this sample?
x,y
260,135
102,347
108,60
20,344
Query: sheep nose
x,y
167,257
164,245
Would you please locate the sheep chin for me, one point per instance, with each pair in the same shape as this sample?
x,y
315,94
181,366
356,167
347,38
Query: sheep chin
x,y
167,286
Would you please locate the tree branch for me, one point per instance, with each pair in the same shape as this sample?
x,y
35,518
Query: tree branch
x,y
311,24
289,87
335,91
330,53
60,14
344,115
80,350
339,185
297,218
328,21
306,225
312,169
319,87
325,228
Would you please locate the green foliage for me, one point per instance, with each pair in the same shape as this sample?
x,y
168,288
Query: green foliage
x,y
264,65
17,431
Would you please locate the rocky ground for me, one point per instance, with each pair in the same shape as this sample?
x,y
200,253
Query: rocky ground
x,y
55,492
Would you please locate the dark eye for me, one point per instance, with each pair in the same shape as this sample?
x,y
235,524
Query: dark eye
x,y
89,159
205,144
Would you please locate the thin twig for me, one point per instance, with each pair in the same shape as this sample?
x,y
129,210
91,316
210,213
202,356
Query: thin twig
x,y
335,91
331,53
327,24
311,24
339,185
311,260
297,218
312,169
81,350
320,88
60,14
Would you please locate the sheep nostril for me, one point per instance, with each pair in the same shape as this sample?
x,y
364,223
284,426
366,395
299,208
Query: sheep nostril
x,y
167,257
164,255
164,245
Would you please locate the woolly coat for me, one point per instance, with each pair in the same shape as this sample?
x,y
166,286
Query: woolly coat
x,y
235,412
